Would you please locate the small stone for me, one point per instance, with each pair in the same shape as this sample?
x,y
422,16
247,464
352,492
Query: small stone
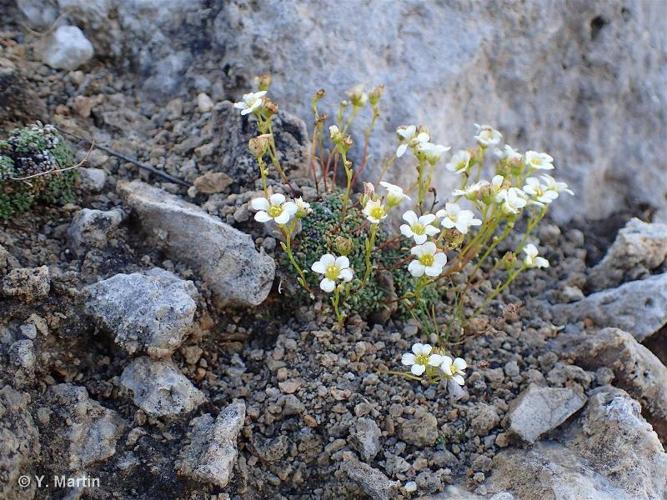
x,y
421,430
212,182
571,294
67,48
290,386
502,440
373,482
91,228
22,354
365,438
159,389
512,369
485,418
204,103
29,331
211,455
539,410
27,284
93,179
410,487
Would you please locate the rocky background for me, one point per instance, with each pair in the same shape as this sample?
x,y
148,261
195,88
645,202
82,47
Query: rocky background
x,y
143,340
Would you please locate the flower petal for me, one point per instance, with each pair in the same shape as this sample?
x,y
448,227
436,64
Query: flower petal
x,y
459,379
416,269
318,267
327,285
327,259
290,207
410,217
262,217
342,262
346,274
283,218
408,359
460,364
406,231
260,204
435,360
417,369
277,199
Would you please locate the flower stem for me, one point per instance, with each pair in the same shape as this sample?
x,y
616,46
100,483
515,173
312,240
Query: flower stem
x,y
335,302
370,245
287,247
499,290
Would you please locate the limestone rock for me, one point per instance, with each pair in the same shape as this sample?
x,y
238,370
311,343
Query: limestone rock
x,y
638,307
159,389
27,284
93,178
366,438
639,248
91,228
67,48
39,13
212,452
225,257
636,369
421,430
82,426
372,481
541,73
19,443
149,312
538,410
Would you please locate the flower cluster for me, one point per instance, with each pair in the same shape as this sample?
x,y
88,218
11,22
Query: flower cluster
x,y
425,360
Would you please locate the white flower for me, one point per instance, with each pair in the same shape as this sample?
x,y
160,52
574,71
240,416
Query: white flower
x,y
453,369
408,137
432,152
419,228
459,162
375,211
395,194
471,191
487,135
497,183
512,199
538,192
303,207
418,359
333,268
532,260
276,208
553,185
508,153
250,102
453,216
429,261
539,161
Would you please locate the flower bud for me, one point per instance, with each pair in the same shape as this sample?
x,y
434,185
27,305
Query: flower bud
x,y
259,145
509,259
263,81
270,106
375,95
452,238
369,189
357,96
343,245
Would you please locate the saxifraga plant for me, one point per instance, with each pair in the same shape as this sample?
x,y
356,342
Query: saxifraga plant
x,y
346,247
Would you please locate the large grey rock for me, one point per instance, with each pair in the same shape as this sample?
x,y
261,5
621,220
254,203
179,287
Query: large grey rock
x,y
585,83
80,425
149,312
539,410
212,452
19,443
91,228
608,452
638,307
39,13
67,48
159,389
372,481
639,248
226,258
636,369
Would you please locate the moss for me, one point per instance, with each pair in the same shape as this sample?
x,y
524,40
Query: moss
x,y
37,152
325,231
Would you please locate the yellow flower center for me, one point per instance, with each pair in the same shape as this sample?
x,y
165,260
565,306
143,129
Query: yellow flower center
x,y
331,272
418,229
426,259
377,212
275,210
421,359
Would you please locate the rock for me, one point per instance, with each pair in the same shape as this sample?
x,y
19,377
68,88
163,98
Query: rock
x,y
159,389
485,418
226,258
213,182
609,452
149,312
538,410
27,284
20,443
19,100
636,369
212,452
373,482
80,425
638,307
67,48
38,13
478,66
93,179
639,248
235,131
421,430
91,228
365,438
204,103
22,355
